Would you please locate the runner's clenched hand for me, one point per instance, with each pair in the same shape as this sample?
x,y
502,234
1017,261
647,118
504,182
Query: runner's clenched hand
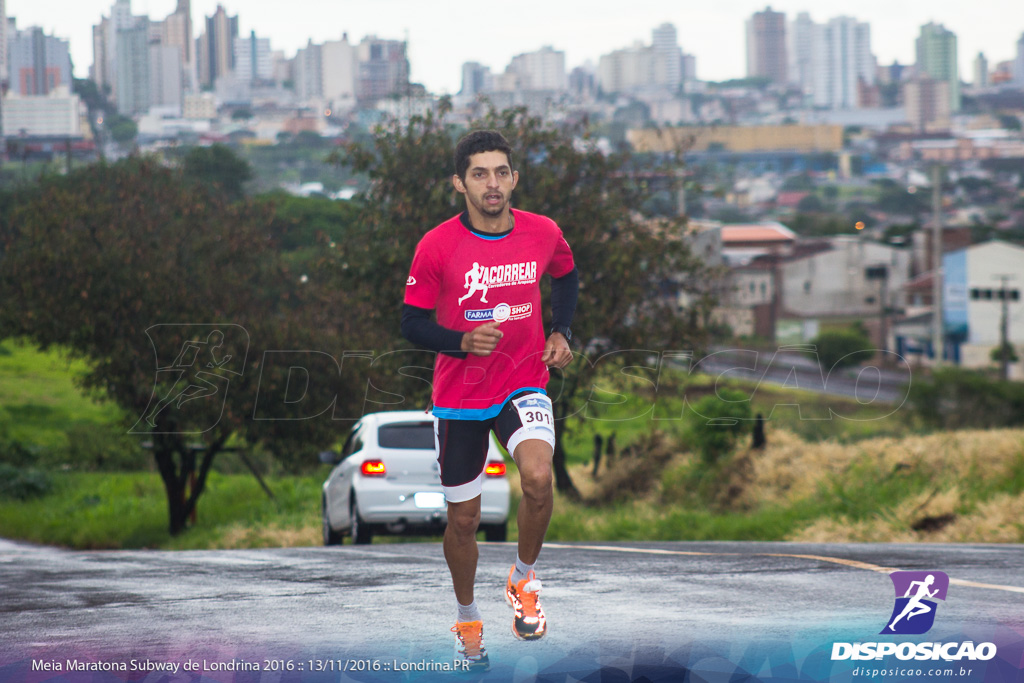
x,y
482,340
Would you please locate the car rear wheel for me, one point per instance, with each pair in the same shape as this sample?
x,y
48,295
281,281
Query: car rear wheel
x,y
496,533
331,537
362,534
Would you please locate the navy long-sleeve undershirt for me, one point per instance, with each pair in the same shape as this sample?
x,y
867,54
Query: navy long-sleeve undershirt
x,y
419,327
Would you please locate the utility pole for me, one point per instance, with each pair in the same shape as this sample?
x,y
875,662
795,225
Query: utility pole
x,y
1004,327
938,333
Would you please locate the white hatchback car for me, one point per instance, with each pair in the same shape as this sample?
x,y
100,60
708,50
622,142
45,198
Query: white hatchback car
x,y
386,480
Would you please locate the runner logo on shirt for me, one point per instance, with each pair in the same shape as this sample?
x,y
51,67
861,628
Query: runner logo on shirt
x,y
482,278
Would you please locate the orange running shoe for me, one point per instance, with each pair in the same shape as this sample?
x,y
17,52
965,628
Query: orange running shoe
x,y
529,622
470,655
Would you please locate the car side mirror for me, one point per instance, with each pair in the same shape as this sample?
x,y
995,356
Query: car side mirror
x,y
329,457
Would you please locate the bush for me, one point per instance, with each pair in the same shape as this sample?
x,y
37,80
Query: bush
x,y
842,348
23,484
718,423
955,398
98,447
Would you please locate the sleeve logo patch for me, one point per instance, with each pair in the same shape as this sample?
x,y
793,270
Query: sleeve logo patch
x,y
410,282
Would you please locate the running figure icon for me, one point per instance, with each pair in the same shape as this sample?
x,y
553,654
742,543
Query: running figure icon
x,y
914,606
191,383
473,283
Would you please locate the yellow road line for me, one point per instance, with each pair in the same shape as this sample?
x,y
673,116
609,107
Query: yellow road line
x,y
856,564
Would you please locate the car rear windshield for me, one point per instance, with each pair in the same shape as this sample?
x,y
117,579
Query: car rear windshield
x,y
407,435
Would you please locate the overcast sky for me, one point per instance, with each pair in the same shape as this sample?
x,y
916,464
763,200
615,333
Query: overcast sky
x,y
444,34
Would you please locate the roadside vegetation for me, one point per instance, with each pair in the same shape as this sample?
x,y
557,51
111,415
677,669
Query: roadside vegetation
x,y
866,476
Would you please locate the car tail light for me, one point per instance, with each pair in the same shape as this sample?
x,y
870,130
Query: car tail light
x,y
373,468
495,469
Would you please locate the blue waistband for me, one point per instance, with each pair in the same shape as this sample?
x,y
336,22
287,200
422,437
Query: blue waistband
x,y
480,413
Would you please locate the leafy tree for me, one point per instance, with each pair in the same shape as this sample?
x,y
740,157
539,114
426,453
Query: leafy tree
x,y
718,422
810,204
129,266
630,269
218,168
955,398
841,348
307,221
122,129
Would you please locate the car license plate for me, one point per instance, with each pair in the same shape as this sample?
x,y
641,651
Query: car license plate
x,y
429,500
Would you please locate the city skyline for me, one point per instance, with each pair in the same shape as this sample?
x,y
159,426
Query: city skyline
x,y
440,42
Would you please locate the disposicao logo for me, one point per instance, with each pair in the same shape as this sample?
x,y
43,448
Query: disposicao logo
x,y
914,613
916,595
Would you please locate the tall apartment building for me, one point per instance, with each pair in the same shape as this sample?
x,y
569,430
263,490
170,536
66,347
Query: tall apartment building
x,y
661,65
215,49
3,44
339,70
253,59
476,79
309,72
383,69
177,33
801,35
766,46
842,63
936,59
37,63
543,69
668,57
104,46
132,75
981,70
1018,62
927,103
166,75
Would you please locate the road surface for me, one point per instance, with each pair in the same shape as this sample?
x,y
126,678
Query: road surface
x,y
617,611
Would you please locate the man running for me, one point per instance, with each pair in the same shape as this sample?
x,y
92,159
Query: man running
x,y
492,368
914,606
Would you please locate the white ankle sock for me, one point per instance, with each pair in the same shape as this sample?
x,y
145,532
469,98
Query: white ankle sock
x,y
521,570
468,612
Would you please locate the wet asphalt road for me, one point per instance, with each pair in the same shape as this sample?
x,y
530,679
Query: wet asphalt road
x,y
394,603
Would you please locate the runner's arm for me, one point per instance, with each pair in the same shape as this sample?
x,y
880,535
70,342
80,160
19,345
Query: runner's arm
x,y
419,327
565,291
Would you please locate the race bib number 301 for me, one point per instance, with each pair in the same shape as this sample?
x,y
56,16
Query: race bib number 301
x,y
535,412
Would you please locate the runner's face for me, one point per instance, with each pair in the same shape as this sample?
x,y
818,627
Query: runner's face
x,y
488,183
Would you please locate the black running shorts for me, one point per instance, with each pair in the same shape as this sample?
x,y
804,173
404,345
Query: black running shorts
x,y
462,445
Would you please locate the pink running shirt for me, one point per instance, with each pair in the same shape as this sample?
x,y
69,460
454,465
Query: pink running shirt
x,y
471,279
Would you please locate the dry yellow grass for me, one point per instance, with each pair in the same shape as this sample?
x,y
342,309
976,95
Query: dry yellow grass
x,y
791,469
269,536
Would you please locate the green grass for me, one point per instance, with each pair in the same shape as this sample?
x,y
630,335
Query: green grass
x,y
129,510
39,400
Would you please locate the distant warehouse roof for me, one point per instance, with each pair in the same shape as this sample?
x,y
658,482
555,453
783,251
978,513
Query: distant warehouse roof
x,y
794,138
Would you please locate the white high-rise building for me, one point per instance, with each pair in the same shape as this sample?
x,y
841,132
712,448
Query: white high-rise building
x,y
842,61
339,70
626,70
1018,62
981,70
476,79
254,60
668,57
800,38
132,76
309,73
166,74
3,44
543,69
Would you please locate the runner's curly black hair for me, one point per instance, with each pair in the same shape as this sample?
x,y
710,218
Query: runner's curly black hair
x,y
476,142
